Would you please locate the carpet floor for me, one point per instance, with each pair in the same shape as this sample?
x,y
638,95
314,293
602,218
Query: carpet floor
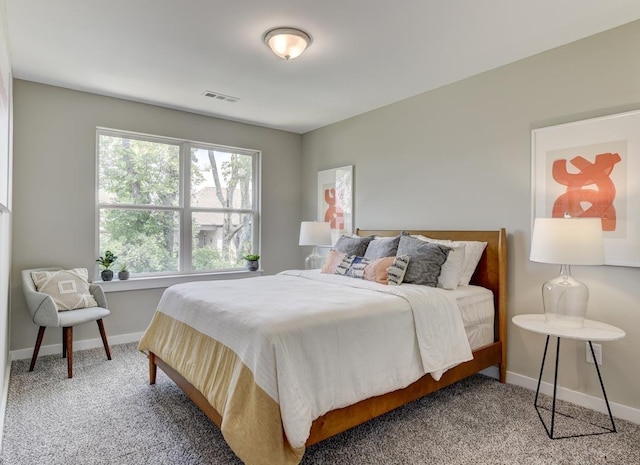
x,y
109,414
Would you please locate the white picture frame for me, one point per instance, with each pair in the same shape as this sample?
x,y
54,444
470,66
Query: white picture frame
x,y
591,168
5,117
335,200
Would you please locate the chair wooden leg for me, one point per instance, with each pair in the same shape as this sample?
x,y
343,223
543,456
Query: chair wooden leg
x,y
68,343
64,343
36,349
103,335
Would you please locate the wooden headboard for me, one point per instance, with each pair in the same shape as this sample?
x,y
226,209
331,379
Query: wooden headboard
x,y
490,273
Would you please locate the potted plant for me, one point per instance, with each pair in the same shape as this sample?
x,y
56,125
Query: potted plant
x,y
105,262
123,274
252,261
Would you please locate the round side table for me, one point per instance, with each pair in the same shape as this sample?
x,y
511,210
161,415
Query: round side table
x,y
592,331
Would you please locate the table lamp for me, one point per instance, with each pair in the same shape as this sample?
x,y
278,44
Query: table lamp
x,y
314,233
566,242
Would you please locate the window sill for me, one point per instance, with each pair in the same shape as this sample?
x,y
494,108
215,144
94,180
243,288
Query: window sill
x,y
156,282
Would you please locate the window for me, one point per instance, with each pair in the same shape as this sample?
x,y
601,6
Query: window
x,y
169,206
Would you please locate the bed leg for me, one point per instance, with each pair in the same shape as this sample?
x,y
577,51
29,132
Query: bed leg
x,y
503,360
152,368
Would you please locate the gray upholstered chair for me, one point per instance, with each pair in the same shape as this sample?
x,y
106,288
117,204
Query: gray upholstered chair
x,y
45,314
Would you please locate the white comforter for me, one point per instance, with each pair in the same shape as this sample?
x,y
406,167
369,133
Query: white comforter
x,y
318,342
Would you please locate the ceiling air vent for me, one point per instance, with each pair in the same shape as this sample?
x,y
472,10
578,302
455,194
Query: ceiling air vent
x,y
219,96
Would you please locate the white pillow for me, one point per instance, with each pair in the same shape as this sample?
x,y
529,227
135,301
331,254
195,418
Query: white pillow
x,y
472,255
451,270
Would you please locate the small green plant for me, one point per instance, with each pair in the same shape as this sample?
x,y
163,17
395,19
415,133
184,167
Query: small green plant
x,y
124,267
252,257
106,261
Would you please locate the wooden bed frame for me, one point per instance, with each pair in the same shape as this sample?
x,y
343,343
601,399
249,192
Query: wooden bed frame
x,y
490,273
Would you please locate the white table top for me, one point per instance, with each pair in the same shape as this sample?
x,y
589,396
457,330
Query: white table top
x,y
592,331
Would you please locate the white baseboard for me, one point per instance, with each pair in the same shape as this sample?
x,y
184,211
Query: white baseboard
x,y
77,345
594,403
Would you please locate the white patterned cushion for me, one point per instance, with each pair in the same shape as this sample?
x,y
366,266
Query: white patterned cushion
x,y
68,288
396,272
345,265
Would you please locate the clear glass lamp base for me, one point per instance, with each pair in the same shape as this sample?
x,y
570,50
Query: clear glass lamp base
x,y
314,261
565,300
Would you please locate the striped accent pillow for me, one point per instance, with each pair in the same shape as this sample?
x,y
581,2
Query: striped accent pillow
x,y
397,270
345,265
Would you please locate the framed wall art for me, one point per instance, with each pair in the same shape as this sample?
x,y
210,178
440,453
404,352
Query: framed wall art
x,y
335,200
591,168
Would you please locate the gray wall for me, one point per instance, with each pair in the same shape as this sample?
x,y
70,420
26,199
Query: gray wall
x,y
459,157
54,191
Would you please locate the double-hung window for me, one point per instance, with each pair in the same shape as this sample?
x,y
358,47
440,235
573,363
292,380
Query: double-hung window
x,y
168,206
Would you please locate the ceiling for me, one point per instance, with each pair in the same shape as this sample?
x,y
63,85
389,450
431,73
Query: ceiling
x,y
365,53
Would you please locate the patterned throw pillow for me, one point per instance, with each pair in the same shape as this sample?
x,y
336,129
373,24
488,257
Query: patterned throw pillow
x,y
68,288
345,265
396,272
358,265
426,260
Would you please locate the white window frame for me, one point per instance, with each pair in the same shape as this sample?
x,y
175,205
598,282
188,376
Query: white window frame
x,y
184,209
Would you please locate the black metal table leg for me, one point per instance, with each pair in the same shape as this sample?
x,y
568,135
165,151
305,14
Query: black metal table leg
x,y
550,431
555,388
535,402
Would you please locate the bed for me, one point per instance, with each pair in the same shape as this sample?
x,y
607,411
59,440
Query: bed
x,y
235,383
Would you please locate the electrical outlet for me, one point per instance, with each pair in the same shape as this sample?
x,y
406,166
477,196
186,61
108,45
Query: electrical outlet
x,y
597,349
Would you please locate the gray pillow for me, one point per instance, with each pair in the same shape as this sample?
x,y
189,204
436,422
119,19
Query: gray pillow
x,y
382,247
353,245
426,260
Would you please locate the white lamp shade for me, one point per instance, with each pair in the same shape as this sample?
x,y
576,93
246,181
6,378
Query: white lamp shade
x,y
567,241
315,233
287,43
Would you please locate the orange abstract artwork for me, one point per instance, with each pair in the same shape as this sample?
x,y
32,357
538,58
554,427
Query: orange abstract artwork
x,y
582,201
334,215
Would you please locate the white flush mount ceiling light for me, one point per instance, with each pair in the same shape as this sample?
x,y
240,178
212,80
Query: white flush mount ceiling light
x,y
287,42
